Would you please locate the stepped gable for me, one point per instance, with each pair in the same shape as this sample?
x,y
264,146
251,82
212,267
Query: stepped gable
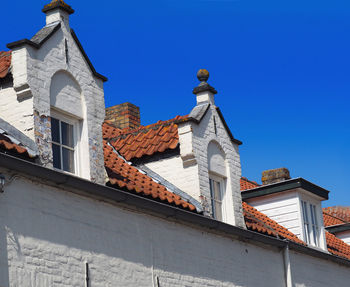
x,y
126,177
145,140
5,63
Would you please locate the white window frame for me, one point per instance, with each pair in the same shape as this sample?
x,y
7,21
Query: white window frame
x,y
222,183
76,137
311,223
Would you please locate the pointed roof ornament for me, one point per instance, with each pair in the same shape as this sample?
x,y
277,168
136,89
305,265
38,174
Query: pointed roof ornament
x,y
203,76
58,4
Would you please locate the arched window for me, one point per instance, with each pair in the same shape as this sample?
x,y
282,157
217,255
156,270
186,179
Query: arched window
x,y
217,180
66,118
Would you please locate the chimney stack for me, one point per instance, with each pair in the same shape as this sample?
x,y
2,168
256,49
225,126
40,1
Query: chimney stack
x,y
275,175
125,115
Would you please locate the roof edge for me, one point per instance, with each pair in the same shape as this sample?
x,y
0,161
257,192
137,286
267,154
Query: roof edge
x,y
285,186
100,192
338,228
97,75
23,42
236,141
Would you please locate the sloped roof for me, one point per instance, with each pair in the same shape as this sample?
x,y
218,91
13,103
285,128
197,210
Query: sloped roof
x,y
129,178
9,147
259,222
330,220
248,184
145,140
5,63
337,246
341,212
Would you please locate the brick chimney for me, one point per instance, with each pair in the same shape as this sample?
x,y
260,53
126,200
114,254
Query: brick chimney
x,y
275,175
125,115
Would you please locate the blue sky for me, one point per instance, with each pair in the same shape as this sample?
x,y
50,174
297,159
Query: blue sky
x,y
281,68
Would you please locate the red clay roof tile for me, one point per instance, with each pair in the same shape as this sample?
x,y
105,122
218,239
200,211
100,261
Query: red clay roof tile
x,y
341,212
5,63
145,140
330,220
257,221
7,146
337,246
248,184
123,175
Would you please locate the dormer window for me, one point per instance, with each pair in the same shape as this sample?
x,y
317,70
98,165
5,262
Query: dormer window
x,y
218,182
311,226
64,143
217,188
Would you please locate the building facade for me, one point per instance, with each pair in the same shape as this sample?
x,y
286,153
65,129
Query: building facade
x,y
89,201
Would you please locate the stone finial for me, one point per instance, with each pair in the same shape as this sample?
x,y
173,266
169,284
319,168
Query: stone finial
x,y
203,76
275,175
58,4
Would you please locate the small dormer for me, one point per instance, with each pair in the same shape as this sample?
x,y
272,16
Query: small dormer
x,y
195,153
57,97
293,203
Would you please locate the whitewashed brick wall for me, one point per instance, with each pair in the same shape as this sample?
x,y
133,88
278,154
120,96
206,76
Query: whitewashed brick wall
x,y
33,71
47,235
193,177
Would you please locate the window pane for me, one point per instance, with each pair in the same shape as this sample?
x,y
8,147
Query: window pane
x,y
55,130
56,150
67,134
217,191
68,160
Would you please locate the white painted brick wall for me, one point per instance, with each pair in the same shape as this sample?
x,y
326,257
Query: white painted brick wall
x,y
173,171
32,72
193,178
46,235
20,116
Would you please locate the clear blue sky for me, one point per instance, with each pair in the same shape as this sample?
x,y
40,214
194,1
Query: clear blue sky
x,y
282,70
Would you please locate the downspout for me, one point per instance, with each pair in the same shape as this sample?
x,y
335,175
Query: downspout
x,y
287,266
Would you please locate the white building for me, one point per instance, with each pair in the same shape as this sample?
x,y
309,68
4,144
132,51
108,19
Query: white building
x,y
85,203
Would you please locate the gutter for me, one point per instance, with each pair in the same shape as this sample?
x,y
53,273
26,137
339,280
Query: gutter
x,y
338,228
96,191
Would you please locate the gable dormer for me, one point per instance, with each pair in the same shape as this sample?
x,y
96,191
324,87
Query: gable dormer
x,y
56,97
195,153
293,203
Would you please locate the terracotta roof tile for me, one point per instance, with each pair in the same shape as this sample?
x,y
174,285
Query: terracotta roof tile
x,y
5,63
145,140
248,184
129,178
259,222
341,212
330,220
337,246
7,146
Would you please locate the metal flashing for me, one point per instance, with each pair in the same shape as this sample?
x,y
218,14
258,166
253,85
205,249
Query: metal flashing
x,y
338,228
285,186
